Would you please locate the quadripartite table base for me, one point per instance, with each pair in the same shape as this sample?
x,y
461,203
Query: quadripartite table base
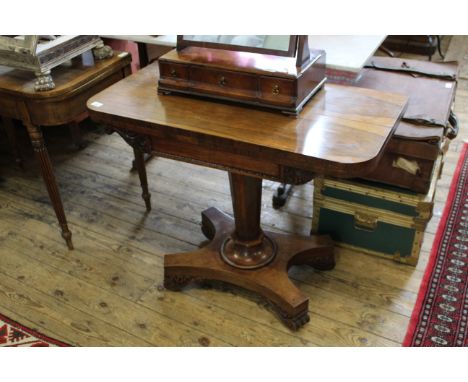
x,y
270,281
240,253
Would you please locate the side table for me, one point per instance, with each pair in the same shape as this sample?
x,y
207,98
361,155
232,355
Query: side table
x,y
76,81
341,132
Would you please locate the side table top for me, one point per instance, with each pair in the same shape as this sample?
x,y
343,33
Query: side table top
x,y
342,131
68,77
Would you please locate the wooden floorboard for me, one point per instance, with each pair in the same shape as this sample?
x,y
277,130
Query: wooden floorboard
x,y
107,292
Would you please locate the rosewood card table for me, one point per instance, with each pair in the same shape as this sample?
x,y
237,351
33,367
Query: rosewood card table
x,y
341,132
75,82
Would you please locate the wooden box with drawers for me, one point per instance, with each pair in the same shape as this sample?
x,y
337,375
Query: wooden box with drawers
x,y
252,78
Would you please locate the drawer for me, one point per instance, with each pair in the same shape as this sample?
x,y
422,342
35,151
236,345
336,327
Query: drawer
x,y
173,71
277,90
222,82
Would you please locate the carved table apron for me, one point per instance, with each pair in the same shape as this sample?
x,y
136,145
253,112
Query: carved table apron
x,y
251,145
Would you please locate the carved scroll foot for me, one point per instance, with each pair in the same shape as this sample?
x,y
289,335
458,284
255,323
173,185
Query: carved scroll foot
x,y
177,282
213,220
44,82
293,322
102,51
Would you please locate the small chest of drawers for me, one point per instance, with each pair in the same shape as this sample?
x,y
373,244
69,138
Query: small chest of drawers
x,y
274,83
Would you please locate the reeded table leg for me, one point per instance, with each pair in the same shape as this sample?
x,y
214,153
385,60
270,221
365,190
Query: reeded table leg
x,y
45,166
241,253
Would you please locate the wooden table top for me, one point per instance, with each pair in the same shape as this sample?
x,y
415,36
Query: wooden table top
x,y
342,131
68,77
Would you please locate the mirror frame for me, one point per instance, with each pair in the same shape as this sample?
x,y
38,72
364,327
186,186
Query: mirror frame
x,y
27,45
291,52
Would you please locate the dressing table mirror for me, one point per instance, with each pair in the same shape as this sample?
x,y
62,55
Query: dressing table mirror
x,y
278,45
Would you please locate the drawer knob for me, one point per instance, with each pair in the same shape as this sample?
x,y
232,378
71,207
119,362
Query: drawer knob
x,y
222,81
173,73
276,90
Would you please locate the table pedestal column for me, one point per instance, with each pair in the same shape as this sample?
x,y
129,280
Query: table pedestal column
x,y
241,253
247,247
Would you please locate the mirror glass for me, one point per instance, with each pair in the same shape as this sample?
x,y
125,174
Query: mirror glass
x,y
283,45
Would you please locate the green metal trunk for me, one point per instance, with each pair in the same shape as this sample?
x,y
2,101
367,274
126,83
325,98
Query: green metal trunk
x,y
372,218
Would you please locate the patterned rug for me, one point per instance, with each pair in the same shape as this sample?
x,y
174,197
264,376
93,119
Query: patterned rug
x,y
13,334
441,311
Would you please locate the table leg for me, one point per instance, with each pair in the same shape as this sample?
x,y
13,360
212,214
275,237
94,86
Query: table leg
x,y
281,195
241,253
140,166
142,54
75,132
10,130
42,157
146,158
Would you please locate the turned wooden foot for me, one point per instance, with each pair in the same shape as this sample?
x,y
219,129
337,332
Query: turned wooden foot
x,y
67,235
270,281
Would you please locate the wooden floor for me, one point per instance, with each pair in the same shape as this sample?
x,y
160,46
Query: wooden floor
x,y
107,292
